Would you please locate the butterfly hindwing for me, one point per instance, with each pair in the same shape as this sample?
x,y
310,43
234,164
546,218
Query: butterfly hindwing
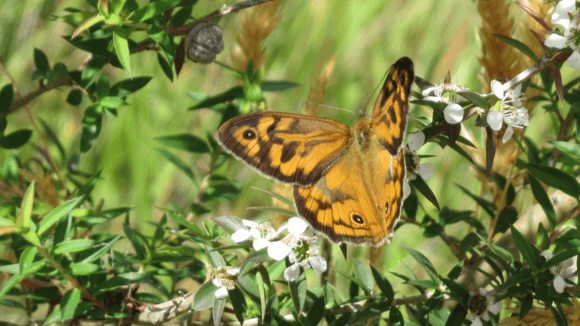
x,y
389,117
291,148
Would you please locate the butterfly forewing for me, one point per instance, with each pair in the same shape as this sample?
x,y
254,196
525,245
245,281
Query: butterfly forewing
x,y
291,148
389,117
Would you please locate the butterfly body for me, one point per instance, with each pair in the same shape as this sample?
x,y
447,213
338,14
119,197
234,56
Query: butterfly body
x,y
348,182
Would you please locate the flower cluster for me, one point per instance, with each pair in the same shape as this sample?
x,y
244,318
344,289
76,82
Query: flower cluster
x,y
571,26
225,279
510,110
480,305
562,271
447,93
297,246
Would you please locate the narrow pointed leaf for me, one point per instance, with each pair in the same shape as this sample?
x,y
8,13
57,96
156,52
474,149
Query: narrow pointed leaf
x,y
544,200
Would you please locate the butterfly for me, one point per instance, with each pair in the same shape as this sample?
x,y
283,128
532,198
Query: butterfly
x,y
348,182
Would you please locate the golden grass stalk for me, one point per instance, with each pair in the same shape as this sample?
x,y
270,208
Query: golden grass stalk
x,y
543,317
255,27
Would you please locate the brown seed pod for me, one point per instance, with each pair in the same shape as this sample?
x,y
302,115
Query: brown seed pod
x,y
203,42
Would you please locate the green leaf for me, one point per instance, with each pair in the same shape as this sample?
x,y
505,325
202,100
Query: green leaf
x,y
87,24
383,284
419,257
75,97
316,311
227,96
41,62
507,217
15,279
165,66
239,303
6,97
229,223
122,48
476,99
23,218
26,260
106,248
128,86
518,45
216,260
74,245
457,316
84,268
16,139
177,162
153,9
524,247
277,86
138,241
544,200
364,275
92,121
56,214
556,178
112,102
68,304
3,125
103,86
298,291
185,142
203,298
425,190
567,148
561,257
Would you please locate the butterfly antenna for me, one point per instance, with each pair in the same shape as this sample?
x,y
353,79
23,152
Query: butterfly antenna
x,y
375,90
326,106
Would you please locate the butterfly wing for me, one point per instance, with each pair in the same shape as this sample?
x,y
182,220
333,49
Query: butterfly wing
x,y
291,148
359,198
389,117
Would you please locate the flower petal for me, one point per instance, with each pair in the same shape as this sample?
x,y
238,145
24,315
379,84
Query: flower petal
x,y
453,113
566,6
318,264
494,308
241,235
508,134
494,120
416,140
250,224
260,244
476,322
297,226
221,292
555,41
292,272
426,170
497,89
574,60
278,250
559,284
406,189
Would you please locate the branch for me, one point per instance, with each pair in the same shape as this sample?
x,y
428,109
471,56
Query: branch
x,y
527,224
63,81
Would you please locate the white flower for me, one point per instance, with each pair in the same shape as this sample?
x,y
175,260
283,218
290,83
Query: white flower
x,y
453,113
225,280
571,27
259,234
299,249
447,93
562,271
480,305
511,110
426,170
444,92
416,140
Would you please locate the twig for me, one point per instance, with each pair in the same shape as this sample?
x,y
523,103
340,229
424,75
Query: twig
x,y
225,10
63,81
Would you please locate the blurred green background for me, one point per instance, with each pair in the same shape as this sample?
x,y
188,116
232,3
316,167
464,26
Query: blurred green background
x,y
366,36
